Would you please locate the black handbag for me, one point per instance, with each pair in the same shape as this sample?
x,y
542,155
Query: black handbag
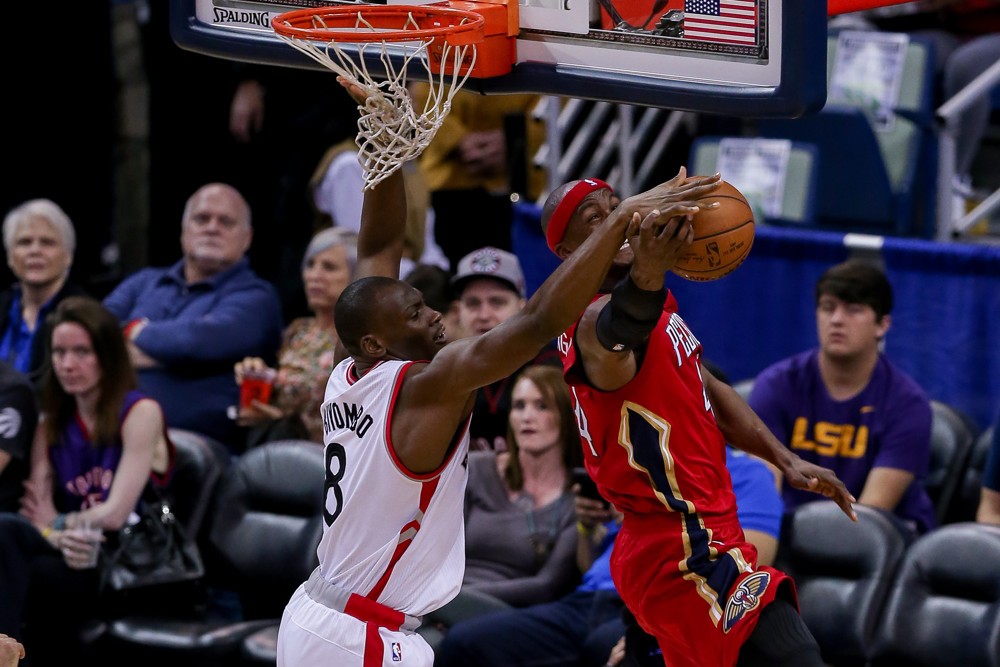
x,y
151,559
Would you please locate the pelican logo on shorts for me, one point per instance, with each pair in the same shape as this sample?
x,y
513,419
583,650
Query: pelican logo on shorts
x,y
745,598
397,652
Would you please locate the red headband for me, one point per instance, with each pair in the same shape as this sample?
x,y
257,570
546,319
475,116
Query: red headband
x,y
564,211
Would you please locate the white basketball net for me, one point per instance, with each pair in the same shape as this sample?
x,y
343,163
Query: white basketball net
x,y
390,131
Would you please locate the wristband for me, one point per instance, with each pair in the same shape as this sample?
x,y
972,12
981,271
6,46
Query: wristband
x,y
584,530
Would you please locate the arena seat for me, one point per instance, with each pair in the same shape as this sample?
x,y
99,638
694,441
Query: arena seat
x,y
944,606
877,182
200,463
798,205
261,544
198,467
965,500
951,440
843,572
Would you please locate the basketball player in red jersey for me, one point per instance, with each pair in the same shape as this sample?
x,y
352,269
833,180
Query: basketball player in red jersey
x,y
654,424
396,415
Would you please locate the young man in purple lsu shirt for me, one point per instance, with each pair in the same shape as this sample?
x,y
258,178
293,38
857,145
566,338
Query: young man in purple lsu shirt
x,y
845,406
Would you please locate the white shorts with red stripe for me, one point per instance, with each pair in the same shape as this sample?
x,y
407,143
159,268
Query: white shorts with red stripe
x,y
313,634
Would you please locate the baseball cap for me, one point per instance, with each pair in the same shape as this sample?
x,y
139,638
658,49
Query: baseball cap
x,y
493,263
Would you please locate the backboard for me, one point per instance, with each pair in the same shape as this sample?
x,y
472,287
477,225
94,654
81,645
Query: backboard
x,y
748,58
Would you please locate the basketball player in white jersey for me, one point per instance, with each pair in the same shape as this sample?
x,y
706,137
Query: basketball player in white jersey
x,y
395,423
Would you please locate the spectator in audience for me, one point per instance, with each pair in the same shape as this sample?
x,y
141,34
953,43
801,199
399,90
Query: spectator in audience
x,y
845,406
337,189
989,499
99,444
186,325
18,419
11,651
39,239
306,355
468,167
582,628
489,284
520,525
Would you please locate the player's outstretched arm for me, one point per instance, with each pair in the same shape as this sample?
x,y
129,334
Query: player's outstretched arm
x,y
383,217
744,429
469,363
383,221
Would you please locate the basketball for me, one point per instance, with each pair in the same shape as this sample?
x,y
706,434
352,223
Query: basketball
x,y
722,237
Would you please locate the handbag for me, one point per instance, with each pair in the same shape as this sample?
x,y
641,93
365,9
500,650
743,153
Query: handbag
x,y
151,559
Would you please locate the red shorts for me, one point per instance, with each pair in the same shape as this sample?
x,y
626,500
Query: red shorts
x,y
695,587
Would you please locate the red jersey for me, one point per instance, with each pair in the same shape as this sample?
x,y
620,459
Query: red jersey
x,y
653,445
681,562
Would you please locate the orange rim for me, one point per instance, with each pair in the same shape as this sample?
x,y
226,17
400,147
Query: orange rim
x,y
340,24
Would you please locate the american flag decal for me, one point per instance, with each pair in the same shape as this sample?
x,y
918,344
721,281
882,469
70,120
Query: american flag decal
x,y
721,21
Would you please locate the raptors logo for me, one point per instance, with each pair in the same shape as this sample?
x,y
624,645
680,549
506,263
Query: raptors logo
x,y
486,260
745,598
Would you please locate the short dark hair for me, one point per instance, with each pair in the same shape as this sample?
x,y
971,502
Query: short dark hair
x,y
857,281
354,314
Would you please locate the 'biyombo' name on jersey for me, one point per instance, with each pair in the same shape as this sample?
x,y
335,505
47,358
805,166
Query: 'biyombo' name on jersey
x,y
682,338
338,416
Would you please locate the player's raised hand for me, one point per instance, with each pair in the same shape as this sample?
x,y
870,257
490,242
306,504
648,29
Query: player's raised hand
x,y
658,240
678,189
811,477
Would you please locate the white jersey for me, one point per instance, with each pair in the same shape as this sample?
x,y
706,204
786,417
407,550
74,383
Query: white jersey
x,y
390,535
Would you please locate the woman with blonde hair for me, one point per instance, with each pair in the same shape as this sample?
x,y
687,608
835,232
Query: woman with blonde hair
x,y
305,359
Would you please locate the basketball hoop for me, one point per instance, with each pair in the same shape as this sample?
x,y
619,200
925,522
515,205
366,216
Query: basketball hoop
x,y
439,40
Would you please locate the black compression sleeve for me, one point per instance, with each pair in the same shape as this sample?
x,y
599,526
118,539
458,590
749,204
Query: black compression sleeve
x,y
629,317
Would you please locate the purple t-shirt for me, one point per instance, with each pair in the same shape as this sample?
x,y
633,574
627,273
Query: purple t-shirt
x,y
83,472
888,425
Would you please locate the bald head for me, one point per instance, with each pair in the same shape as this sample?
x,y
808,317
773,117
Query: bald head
x,y
215,231
357,309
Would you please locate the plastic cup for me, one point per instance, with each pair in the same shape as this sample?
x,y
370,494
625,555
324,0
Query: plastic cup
x,y
92,534
256,386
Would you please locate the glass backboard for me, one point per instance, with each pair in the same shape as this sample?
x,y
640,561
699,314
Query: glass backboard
x,y
749,58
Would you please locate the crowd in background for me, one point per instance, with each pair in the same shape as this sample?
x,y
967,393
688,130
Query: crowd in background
x,y
181,229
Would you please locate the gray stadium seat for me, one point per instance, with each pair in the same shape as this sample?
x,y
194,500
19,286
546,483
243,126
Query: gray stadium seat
x,y
261,543
951,440
965,500
843,572
944,607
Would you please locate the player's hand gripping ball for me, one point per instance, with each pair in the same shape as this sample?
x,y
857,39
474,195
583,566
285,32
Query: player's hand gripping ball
x,y
722,237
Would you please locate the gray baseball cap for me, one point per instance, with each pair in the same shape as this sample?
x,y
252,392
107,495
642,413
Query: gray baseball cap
x,y
489,262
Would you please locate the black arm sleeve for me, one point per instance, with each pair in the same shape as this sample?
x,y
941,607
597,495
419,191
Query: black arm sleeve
x,y
629,317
